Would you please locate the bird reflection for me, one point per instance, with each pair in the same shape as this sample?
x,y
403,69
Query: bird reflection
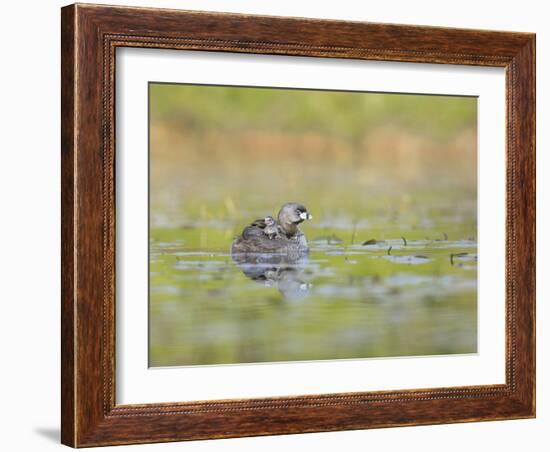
x,y
282,271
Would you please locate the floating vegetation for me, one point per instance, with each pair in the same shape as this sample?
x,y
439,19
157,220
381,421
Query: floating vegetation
x,y
370,242
466,256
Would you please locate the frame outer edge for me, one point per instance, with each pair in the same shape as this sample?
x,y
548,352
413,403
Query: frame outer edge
x,y
86,419
525,62
68,215
534,226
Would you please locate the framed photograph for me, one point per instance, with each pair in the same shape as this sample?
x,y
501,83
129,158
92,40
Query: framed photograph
x,y
281,225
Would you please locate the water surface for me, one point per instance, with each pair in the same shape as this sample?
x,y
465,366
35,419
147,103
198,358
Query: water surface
x,y
395,297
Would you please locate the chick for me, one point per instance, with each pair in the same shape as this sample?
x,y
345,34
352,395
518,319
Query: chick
x,y
271,228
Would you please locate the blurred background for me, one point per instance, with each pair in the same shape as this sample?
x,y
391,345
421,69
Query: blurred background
x,y
225,153
391,182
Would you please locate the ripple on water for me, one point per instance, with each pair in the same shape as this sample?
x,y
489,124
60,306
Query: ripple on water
x,y
198,253
202,264
410,259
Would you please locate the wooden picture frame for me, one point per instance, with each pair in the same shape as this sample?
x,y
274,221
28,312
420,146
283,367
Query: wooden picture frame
x,y
90,36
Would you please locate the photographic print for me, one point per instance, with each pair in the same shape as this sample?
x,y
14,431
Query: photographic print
x,y
285,215
296,225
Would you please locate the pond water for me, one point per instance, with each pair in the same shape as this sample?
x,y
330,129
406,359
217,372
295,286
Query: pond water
x,y
362,292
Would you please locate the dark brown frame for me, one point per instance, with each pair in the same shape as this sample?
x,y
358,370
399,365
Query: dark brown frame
x,y
90,34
